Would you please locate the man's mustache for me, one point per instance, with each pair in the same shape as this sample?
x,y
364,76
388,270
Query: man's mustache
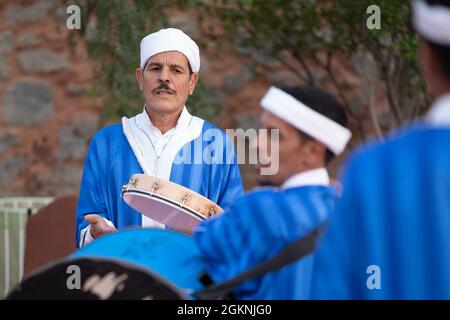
x,y
164,86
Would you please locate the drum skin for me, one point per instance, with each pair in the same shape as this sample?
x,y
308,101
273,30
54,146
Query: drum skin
x,y
163,211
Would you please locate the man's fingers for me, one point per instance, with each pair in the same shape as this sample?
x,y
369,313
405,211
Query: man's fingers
x,y
109,229
93,218
99,226
101,229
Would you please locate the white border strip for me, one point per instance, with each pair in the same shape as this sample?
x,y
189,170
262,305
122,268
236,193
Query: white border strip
x,y
133,144
432,22
332,134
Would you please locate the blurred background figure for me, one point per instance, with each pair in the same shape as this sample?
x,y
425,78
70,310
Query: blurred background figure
x,y
389,238
258,226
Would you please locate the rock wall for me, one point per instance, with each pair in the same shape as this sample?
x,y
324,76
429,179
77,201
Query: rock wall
x,y
47,117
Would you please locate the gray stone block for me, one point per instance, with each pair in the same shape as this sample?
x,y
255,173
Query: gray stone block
x,y
28,103
75,89
234,83
7,140
61,180
10,168
28,39
6,42
4,68
73,139
31,13
42,61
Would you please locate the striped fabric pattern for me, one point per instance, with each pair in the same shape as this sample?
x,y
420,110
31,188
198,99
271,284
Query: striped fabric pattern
x,y
257,227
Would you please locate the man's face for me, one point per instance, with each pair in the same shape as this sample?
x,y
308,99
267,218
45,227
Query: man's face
x,y
166,82
296,154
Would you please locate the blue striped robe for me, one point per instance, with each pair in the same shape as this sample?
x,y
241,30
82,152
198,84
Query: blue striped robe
x,y
111,162
394,217
258,226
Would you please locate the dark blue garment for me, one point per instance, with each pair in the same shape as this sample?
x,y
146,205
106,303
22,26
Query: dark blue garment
x,y
255,228
394,215
111,162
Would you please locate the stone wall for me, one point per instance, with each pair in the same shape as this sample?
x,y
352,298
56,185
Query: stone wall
x,y
47,118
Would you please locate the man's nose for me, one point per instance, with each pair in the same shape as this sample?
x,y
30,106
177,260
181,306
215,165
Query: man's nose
x,y
164,75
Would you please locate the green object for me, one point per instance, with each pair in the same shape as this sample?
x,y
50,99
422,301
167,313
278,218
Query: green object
x,y
13,216
310,38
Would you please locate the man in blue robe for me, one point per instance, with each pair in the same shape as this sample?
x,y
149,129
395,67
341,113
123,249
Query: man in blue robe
x,y
390,235
311,127
163,141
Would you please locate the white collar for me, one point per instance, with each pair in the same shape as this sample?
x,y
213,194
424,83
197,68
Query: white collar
x,y
145,123
311,177
439,113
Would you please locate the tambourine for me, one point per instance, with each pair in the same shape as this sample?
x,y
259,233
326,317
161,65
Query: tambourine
x,y
168,203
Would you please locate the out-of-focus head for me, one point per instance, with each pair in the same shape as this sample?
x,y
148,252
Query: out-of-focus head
x,y
431,19
312,130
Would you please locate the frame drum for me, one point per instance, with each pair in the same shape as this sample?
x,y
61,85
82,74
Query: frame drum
x,y
168,203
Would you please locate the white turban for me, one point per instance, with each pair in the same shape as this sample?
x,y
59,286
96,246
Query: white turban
x,y
330,133
170,40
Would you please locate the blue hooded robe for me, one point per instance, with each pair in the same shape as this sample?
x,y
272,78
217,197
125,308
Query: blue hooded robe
x,y
390,235
110,163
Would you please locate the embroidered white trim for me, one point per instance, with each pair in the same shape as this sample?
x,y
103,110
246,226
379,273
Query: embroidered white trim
x,y
285,106
132,141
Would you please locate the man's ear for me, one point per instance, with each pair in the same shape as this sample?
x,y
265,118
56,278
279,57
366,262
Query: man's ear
x,y
139,77
431,69
193,82
429,61
316,151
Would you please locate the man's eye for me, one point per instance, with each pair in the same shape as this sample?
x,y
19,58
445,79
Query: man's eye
x,y
178,71
273,133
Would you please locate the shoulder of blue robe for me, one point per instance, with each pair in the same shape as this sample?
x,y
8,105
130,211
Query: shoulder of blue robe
x,y
258,226
208,165
108,166
389,237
